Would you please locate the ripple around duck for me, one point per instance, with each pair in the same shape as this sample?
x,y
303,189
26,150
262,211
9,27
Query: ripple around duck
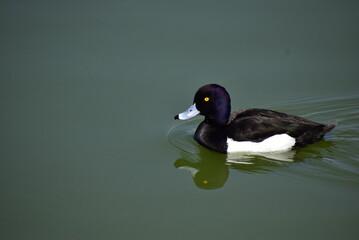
x,y
335,159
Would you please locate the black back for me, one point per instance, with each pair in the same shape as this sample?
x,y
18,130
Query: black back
x,y
258,124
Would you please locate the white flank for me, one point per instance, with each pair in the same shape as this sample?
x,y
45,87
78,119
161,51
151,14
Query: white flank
x,y
276,143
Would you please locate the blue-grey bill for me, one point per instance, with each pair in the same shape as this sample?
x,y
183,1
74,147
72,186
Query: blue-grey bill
x,y
191,112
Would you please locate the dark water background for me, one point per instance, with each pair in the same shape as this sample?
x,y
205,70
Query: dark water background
x,y
89,148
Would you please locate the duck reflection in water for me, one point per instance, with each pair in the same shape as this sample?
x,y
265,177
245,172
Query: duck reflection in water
x,y
210,170
207,172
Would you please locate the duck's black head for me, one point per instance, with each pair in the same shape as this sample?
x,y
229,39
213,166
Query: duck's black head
x,y
211,101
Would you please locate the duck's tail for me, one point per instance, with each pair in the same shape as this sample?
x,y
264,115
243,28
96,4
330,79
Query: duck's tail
x,y
315,135
329,127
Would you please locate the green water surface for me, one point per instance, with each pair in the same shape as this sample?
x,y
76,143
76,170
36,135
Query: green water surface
x,y
89,148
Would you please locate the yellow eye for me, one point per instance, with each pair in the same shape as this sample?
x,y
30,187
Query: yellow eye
x,y
206,99
205,181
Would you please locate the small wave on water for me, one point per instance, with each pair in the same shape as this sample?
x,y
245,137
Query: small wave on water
x,y
334,159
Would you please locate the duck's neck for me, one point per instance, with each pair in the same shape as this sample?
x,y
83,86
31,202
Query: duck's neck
x,y
220,117
216,121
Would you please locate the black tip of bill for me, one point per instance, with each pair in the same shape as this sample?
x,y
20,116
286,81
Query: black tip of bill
x,y
176,117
